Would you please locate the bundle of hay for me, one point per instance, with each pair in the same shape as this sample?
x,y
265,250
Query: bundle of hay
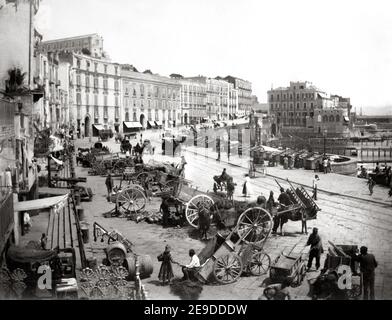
x,y
186,290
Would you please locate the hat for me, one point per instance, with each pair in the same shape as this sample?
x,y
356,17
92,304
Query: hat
x,y
167,248
316,176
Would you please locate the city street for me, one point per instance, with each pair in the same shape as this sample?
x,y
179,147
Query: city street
x,y
343,220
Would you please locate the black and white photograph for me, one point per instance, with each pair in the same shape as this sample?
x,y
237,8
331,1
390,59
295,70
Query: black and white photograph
x,y
220,151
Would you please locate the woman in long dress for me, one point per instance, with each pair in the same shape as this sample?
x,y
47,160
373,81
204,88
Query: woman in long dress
x,y
247,190
166,271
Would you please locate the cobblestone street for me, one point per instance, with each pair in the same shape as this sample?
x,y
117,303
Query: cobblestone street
x,y
349,220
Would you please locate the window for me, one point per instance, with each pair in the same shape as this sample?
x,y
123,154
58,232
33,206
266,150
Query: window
x,y
105,84
272,106
78,63
156,115
87,99
96,115
297,105
331,118
95,83
127,91
105,112
105,100
134,116
337,118
105,67
297,96
78,99
304,105
311,105
149,115
78,81
277,97
142,90
95,99
96,67
117,113
116,70
116,101
116,85
88,65
87,81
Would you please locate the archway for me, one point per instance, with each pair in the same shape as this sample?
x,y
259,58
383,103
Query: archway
x,y
87,126
142,120
185,118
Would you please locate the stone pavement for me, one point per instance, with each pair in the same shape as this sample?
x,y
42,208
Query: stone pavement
x,y
343,220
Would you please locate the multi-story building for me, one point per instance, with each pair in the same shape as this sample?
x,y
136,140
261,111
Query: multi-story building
x,y
94,93
244,89
150,99
91,44
17,73
193,101
221,97
304,109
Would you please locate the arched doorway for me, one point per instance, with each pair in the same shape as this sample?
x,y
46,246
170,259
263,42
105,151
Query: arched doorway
x,y
273,129
142,120
185,118
87,126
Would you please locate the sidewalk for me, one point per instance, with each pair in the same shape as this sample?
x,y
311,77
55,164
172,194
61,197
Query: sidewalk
x,y
331,183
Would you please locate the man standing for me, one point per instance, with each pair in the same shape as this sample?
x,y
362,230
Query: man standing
x,y
316,248
368,264
189,270
284,198
325,165
371,184
315,180
109,185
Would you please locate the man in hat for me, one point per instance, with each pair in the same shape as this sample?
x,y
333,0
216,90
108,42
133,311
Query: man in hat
x,y
316,248
189,270
315,180
368,264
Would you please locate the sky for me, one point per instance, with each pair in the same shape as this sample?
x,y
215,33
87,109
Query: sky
x,y
343,47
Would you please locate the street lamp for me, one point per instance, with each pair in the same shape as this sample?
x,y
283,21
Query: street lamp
x,y
325,136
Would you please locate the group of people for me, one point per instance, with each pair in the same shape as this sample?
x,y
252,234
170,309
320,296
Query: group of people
x,y
189,270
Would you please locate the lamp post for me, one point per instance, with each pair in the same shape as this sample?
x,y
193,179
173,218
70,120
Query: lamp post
x,y
325,138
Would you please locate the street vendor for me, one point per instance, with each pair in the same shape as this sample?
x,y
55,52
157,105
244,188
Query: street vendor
x,y
316,248
190,269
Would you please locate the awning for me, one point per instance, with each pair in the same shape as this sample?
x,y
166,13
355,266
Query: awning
x,y
133,125
346,119
158,123
151,124
170,122
99,127
39,204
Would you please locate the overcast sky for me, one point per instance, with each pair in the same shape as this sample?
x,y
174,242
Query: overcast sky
x,y
342,46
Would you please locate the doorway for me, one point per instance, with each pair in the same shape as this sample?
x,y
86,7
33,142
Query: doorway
x,y
87,127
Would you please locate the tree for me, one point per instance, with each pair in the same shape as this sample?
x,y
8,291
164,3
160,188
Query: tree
x,y
148,71
16,80
176,76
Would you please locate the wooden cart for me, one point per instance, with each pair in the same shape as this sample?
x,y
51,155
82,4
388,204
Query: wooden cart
x,y
289,267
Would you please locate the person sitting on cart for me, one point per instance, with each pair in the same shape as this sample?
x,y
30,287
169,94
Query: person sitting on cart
x,y
316,248
190,269
278,291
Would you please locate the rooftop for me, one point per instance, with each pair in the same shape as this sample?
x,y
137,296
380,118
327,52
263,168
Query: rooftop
x,y
72,38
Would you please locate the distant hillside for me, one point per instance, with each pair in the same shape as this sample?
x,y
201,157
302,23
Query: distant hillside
x,y
369,111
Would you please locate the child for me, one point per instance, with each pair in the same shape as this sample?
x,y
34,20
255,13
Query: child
x,y
166,271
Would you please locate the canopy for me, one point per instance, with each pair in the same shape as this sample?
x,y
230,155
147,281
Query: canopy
x,y
151,124
133,125
158,123
39,204
99,127
170,122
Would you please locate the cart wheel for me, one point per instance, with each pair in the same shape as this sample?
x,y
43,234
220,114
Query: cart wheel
x,y
227,268
131,199
193,207
119,167
299,277
144,179
355,291
260,263
254,225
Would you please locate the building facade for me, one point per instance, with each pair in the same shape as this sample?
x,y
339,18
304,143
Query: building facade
x,y
193,101
244,89
91,44
150,98
93,100
302,108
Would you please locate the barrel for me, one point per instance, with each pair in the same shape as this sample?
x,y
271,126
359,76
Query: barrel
x,y
81,214
84,227
116,253
145,266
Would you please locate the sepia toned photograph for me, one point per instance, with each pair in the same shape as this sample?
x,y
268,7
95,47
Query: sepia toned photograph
x,y
220,151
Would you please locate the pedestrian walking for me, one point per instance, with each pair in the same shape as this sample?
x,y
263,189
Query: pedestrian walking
x,y
304,217
329,166
109,185
166,270
285,162
315,181
316,248
270,202
371,183
368,264
325,165
247,189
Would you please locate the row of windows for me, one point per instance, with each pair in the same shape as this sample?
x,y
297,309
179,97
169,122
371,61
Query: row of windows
x,y
89,65
291,96
278,106
325,118
105,99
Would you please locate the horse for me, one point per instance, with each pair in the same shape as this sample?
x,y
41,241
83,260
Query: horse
x,y
283,215
220,182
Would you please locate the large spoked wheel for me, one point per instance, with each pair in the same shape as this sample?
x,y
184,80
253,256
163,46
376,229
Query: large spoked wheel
x,y
227,268
254,225
145,180
194,205
131,200
260,263
119,167
355,291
